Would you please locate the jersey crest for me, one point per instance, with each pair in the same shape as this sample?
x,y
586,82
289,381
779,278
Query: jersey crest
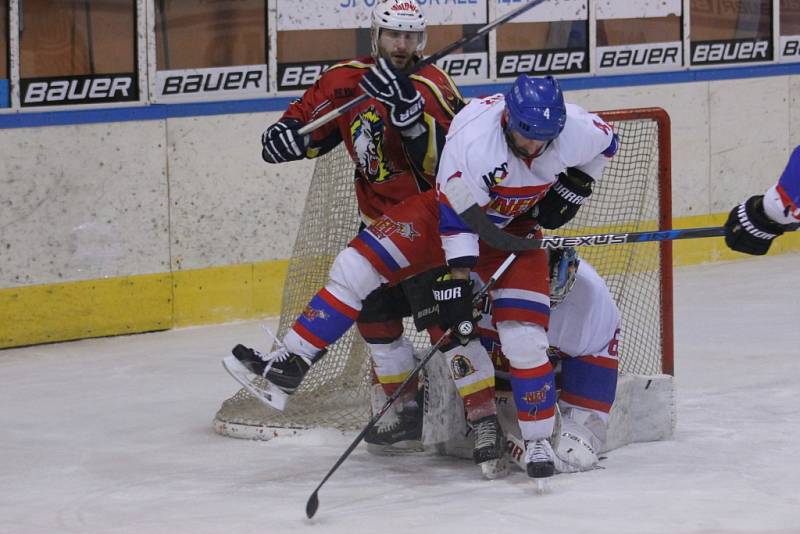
x,y
496,176
461,366
366,131
513,202
386,227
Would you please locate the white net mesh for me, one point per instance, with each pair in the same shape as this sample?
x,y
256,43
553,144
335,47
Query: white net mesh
x,y
335,392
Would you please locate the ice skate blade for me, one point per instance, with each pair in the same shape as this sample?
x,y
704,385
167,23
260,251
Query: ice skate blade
x,y
542,486
396,449
494,469
268,393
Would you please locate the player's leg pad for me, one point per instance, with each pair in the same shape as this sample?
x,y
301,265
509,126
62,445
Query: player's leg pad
x,y
576,448
473,374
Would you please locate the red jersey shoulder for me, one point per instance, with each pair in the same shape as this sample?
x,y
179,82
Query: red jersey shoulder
x,y
341,80
436,85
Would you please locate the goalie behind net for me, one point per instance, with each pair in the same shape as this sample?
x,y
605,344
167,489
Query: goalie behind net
x,y
634,195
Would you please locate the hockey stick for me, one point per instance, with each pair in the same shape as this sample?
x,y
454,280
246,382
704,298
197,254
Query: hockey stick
x,y
313,500
433,58
551,242
497,238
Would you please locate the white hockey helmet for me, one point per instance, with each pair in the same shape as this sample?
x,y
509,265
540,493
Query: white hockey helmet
x,y
564,264
400,15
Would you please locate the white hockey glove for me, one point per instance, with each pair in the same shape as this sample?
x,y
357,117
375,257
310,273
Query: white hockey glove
x,y
281,142
396,91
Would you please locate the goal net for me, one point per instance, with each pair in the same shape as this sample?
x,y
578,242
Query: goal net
x,y
634,195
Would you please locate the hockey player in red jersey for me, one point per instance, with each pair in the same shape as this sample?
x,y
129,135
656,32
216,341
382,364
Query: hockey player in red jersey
x,y
395,139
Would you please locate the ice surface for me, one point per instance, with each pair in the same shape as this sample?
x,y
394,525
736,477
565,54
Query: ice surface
x,y
114,435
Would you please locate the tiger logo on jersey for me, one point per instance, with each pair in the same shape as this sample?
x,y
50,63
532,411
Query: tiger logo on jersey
x,y
366,131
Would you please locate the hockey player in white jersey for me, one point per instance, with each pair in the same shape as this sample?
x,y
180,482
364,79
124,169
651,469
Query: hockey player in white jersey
x,y
521,160
584,340
753,224
527,153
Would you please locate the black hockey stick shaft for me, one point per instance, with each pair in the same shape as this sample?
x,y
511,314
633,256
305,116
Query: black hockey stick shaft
x,y
433,58
313,500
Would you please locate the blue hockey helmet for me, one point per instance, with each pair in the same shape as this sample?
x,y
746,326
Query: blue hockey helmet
x,y
536,107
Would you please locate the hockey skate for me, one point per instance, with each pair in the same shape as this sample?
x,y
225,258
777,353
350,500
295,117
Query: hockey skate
x,y
540,461
269,377
396,433
489,448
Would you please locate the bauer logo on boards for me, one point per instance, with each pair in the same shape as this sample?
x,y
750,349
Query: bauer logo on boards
x,y
213,81
655,56
790,48
736,51
93,89
300,75
542,62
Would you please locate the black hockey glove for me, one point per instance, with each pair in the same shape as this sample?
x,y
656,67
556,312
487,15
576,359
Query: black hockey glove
x,y
281,142
454,297
562,201
749,230
395,90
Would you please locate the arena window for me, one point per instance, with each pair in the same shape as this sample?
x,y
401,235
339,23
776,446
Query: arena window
x,y
735,31
646,44
790,30
306,53
541,48
210,50
76,37
77,52
197,34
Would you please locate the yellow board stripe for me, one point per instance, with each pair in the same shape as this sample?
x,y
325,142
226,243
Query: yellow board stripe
x,y
92,308
142,303
475,387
